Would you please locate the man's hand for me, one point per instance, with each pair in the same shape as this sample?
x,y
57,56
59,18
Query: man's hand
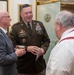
x,y
35,50
20,52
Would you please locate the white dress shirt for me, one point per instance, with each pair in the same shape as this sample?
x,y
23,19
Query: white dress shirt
x,y
61,60
5,31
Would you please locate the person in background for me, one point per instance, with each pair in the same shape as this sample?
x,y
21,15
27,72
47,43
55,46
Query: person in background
x,y
33,36
61,60
8,57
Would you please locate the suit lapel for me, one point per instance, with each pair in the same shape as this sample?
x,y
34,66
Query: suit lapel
x,y
6,37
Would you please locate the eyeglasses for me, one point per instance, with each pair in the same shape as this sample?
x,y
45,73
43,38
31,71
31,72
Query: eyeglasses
x,y
6,17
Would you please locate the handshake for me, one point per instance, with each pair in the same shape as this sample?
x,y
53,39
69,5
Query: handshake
x,y
20,50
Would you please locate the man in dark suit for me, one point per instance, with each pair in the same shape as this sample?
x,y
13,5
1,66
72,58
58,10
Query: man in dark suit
x,y
33,35
8,57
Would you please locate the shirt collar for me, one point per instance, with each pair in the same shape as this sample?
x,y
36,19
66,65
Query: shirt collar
x,y
5,31
67,31
27,23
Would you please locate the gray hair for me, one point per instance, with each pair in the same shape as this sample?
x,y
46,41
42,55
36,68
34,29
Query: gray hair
x,y
65,18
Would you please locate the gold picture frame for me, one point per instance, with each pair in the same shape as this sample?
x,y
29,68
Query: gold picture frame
x,y
19,9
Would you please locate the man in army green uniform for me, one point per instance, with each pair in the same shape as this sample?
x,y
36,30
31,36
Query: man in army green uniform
x,y
33,36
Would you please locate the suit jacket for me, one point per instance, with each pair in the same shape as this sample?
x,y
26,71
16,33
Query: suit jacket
x,y
21,35
7,56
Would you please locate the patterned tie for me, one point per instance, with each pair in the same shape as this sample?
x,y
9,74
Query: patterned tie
x,y
29,27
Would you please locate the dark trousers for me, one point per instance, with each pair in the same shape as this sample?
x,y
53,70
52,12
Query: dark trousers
x,y
41,73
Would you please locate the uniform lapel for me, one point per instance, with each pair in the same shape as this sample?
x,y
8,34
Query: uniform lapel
x,y
24,27
33,27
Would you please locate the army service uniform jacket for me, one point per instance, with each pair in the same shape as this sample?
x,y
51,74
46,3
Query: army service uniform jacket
x,y
20,35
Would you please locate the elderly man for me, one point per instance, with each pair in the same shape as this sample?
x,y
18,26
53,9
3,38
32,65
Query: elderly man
x,y
61,60
8,57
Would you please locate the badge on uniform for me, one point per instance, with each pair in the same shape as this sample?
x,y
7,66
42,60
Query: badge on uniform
x,y
39,29
23,36
23,33
23,41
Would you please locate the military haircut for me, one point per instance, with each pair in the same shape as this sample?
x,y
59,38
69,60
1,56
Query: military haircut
x,y
24,6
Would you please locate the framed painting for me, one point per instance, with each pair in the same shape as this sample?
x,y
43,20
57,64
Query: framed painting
x,y
19,10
